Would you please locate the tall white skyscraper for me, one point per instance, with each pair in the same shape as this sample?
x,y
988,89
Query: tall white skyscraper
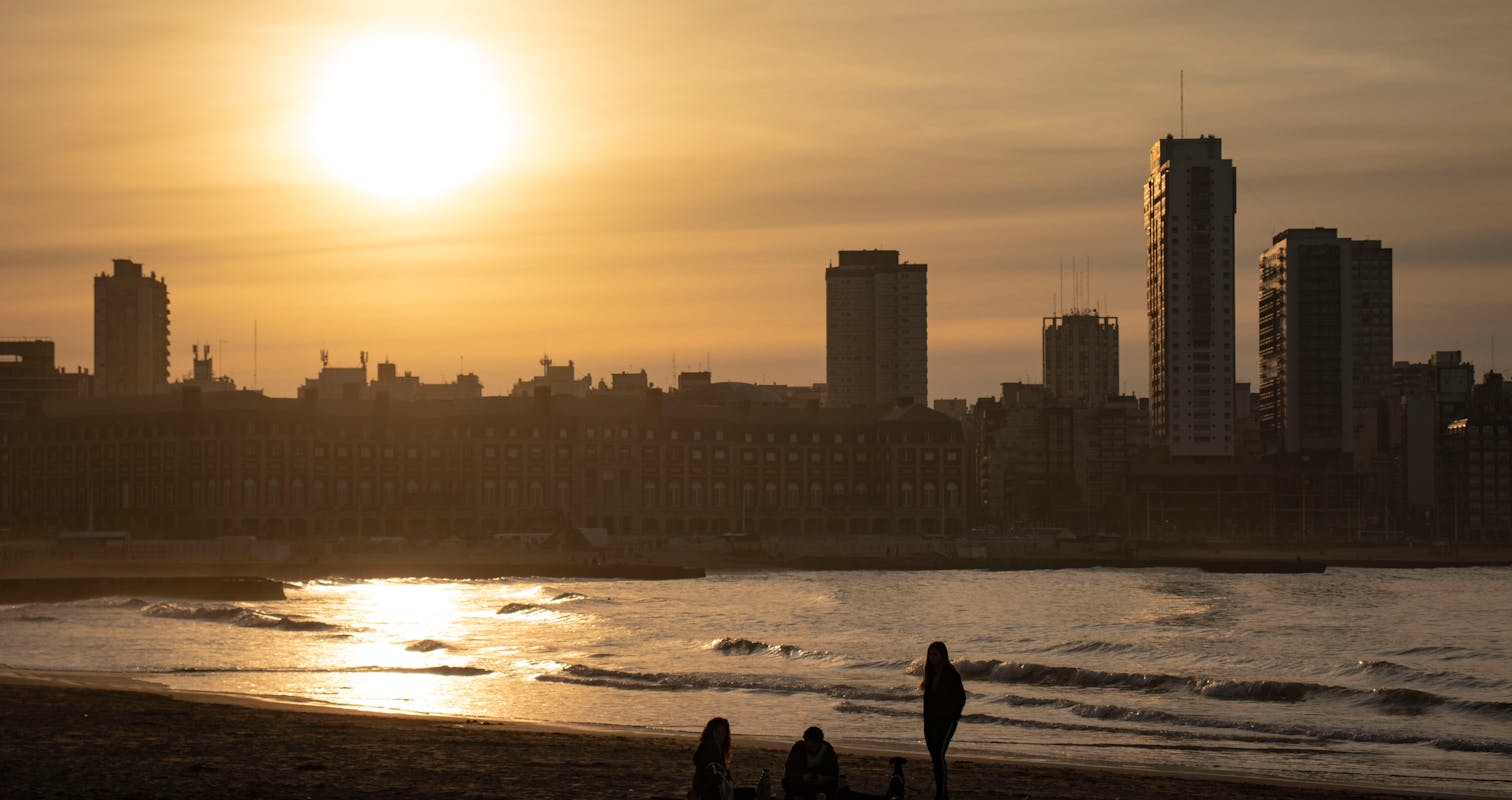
x,y
1189,204
877,343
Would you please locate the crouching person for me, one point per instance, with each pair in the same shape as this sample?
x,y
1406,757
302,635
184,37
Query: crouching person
x,y
812,768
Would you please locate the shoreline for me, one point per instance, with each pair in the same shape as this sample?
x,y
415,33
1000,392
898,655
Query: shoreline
x,y
53,751
692,565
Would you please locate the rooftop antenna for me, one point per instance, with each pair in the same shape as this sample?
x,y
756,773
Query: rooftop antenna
x,y
1062,295
1183,104
255,383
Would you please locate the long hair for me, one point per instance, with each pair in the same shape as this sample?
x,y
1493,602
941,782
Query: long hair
x,y
708,735
929,671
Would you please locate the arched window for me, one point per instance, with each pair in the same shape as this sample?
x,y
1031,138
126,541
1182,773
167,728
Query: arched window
x,y
816,494
906,495
696,494
952,494
648,494
721,495
490,492
794,495
748,495
537,495
563,494
249,493
297,492
770,494
275,492
512,493
674,493
931,495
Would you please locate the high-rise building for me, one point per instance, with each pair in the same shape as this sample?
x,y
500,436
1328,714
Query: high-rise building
x,y
130,331
1081,357
877,346
1189,204
1325,338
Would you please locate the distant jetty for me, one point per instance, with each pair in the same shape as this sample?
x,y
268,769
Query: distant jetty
x,y
62,590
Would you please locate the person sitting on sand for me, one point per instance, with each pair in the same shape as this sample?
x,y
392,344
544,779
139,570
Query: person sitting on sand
x,y
711,763
812,767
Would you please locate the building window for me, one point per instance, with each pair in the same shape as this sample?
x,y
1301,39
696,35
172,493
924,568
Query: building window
x,y
648,494
906,495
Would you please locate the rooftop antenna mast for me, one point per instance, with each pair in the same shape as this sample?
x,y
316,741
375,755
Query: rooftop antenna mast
x,y
1183,104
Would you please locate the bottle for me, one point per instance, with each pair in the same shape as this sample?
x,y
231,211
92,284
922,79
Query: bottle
x,y
764,786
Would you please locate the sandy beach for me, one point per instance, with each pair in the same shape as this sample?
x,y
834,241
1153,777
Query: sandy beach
x,y
101,737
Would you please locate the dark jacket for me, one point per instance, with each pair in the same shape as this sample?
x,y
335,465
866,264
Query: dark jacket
x,y
708,770
797,761
944,698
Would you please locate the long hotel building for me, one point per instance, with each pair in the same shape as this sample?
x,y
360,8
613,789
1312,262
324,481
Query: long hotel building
x,y
194,464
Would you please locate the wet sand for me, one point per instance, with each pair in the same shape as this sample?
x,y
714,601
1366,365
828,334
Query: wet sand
x,y
95,739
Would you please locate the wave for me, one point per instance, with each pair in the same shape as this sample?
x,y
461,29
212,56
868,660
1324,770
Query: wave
x,y
568,596
1401,672
519,608
1289,734
1077,677
1443,652
1081,647
238,616
747,647
426,646
1384,700
445,670
584,675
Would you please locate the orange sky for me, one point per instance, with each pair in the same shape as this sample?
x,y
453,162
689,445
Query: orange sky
x,y
688,169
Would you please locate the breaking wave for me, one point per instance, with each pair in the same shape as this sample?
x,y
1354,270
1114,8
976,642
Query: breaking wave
x,y
237,615
749,647
425,646
1388,700
519,608
1247,732
584,675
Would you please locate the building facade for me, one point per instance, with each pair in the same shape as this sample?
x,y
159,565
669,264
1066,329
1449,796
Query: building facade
x,y
1081,357
876,346
195,464
1189,206
130,331
29,376
1325,338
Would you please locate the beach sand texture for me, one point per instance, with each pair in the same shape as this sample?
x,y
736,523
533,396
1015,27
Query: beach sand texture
x,y
68,741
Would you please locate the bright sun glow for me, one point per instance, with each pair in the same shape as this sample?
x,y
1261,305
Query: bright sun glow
x,y
409,116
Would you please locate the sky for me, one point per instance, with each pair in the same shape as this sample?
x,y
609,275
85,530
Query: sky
x,y
684,171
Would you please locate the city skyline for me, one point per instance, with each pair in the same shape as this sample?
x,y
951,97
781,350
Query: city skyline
x,y
991,154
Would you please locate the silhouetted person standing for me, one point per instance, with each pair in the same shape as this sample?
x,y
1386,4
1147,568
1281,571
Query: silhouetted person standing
x,y
944,697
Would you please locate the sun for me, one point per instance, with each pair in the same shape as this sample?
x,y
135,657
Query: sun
x,y
409,116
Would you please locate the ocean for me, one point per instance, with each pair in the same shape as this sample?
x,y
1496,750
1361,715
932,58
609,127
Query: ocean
x,y
1379,678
